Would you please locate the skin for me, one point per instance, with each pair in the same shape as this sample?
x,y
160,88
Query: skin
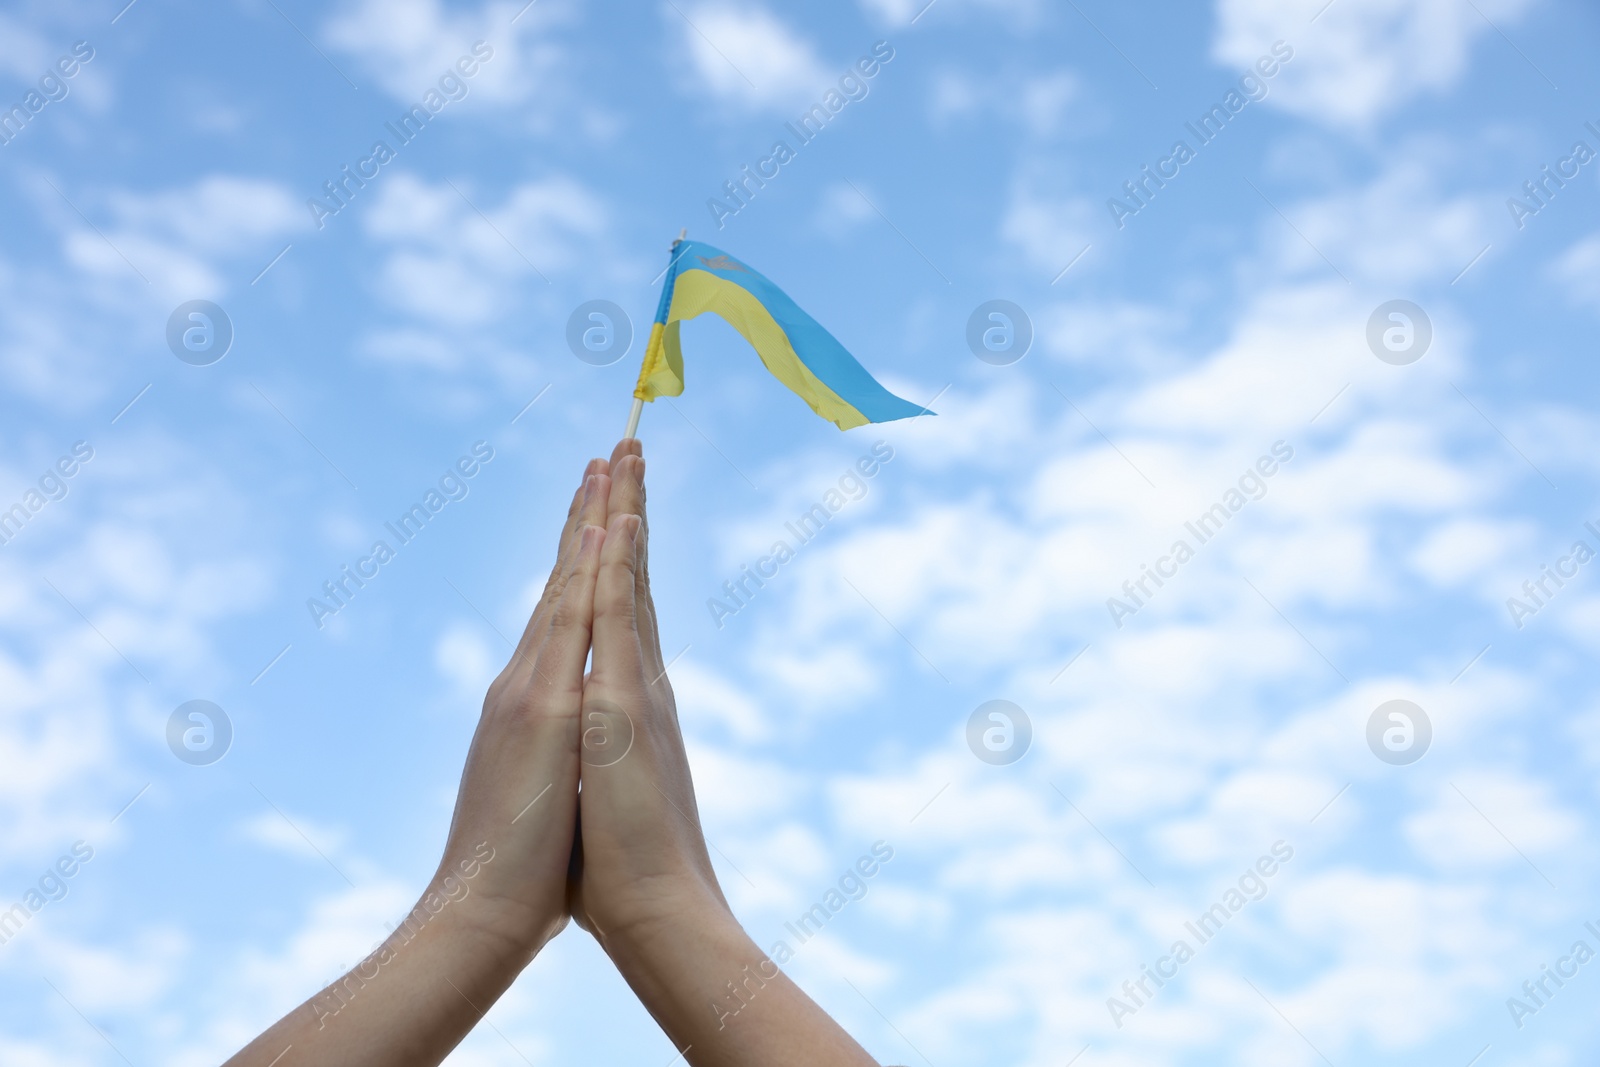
x,y
527,851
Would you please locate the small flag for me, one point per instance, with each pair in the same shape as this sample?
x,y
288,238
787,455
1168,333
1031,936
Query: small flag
x,y
793,345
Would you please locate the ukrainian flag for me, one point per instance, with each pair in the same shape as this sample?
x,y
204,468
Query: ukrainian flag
x,y
794,347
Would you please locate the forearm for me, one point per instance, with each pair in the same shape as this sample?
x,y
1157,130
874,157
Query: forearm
x,y
408,1003
722,1001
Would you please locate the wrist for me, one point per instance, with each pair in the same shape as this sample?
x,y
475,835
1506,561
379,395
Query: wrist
x,y
501,905
683,941
654,912
481,932
508,927
436,936
710,986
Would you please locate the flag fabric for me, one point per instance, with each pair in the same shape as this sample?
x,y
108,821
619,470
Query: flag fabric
x,y
793,345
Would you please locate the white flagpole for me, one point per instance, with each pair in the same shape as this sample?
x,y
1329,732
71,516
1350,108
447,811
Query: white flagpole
x,y
638,405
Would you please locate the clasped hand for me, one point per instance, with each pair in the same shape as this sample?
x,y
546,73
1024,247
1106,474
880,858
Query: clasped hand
x,y
576,802
636,856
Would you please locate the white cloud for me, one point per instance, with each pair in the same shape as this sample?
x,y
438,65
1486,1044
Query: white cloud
x,y
902,13
1191,737
407,46
895,12
1491,819
195,242
135,976
956,95
1361,59
414,348
141,561
736,790
1465,548
465,658
215,215
1132,734
703,694
1040,105
748,56
23,53
1400,229
1578,270
1580,619
823,959
249,991
1408,956
1043,101
825,677
448,265
1090,520
1585,728
1051,229
295,835
909,907
841,210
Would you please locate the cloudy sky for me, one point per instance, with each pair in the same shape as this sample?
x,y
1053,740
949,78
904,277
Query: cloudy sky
x,y
1179,323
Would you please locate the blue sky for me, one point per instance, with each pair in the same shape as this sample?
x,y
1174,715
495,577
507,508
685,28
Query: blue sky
x,y
374,347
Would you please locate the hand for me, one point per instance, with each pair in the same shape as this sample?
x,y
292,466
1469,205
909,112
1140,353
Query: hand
x,y
642,858
641,879
500,892
643,882
519,791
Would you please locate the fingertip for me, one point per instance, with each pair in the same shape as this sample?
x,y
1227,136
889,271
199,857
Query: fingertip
x,y
628,446
596,488
627,465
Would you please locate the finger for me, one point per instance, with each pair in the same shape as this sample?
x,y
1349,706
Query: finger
x,y
588,509
519,672
622,492
627,498
628,446
618,661
649,636
646,600
627,486
648,632
576,515
560,657
569,527
520,664
645,605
